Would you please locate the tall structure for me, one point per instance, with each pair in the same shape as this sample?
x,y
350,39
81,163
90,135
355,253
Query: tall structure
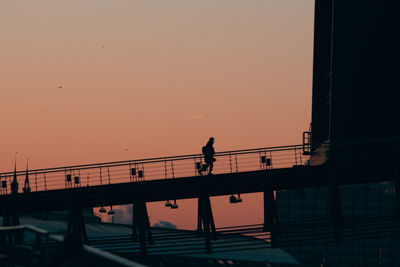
x,y
356,70
355,97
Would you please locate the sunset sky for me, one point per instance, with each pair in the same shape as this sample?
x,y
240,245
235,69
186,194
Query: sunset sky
x,y
94,81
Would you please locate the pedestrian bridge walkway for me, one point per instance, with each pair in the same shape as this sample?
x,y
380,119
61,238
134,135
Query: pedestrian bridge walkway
x,y
133,171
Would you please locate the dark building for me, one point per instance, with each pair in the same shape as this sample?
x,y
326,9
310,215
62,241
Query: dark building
x,y
355,110
356,70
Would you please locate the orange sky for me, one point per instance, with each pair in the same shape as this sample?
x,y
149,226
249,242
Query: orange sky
x,y
151,78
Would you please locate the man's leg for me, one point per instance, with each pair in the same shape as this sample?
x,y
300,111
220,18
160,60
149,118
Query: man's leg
x,y
211,164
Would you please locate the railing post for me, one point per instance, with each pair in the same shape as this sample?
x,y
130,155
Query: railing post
x,y
195,166
3,185
230,161
143,176
101,176
237,167
65,178
172,169
36,182
130,172
165,170
45,181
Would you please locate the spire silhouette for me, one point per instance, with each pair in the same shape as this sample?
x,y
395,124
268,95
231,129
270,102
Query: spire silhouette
x,y
14,184
27,187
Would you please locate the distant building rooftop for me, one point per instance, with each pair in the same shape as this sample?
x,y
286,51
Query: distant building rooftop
x,y
176,244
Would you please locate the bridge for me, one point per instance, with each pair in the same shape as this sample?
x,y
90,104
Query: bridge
x,y
268,170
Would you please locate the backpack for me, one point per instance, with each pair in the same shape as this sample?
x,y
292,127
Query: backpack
x,y
204,150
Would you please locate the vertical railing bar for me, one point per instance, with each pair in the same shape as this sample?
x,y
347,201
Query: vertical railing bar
x,y
130,172
301,158
135,177
137,172
195,171
143,179
65,177
270,156
101,178
109,178
173,172
45,182
9,182
135,166
300,163
265,155
36,181
230,161
71,172
165,169
237,168
72,178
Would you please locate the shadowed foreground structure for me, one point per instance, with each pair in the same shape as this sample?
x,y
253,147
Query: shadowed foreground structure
x,y
305,206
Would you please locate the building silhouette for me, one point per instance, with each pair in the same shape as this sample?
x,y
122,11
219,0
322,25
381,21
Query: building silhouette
x,y
356,65
355,97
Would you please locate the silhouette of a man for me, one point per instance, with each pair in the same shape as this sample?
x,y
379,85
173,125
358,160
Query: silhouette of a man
x,y
208,151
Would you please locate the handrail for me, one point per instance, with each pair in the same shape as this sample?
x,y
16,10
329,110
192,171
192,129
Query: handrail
x,y
222,153
233,161
145,160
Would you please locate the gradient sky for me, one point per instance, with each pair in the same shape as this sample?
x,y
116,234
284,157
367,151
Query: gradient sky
x,y
152,78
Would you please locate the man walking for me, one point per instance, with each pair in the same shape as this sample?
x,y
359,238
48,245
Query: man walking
x,y
208,151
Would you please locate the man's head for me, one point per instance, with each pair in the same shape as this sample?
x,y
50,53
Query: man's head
x,y
211,140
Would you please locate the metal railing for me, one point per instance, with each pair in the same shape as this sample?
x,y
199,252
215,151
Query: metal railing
x,y
164,167
151,169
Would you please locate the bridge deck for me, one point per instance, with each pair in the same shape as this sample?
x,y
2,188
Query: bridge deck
x,y
189,187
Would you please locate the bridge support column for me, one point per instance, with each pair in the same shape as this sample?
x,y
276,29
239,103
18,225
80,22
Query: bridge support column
x,y
141,225
205,220
76,229
335,207
271,220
